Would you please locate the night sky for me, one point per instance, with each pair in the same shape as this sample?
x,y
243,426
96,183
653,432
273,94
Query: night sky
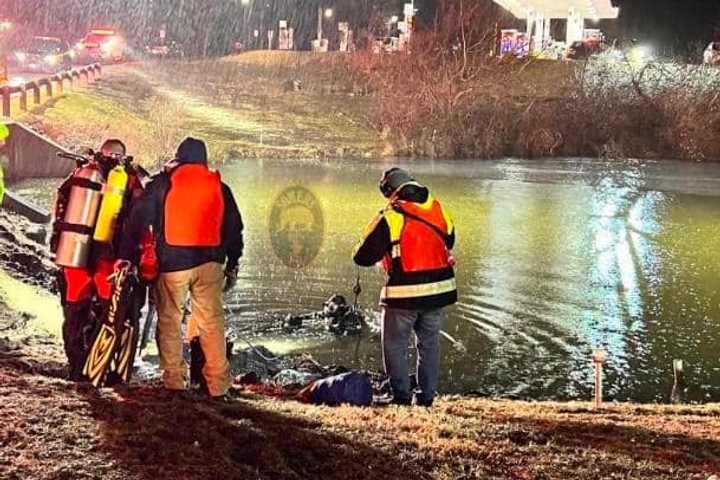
x,y
676,24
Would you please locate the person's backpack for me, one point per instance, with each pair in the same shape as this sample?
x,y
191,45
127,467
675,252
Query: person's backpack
x,y
351,388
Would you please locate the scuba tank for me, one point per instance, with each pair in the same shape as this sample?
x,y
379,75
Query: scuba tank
x,y
75,239
112,204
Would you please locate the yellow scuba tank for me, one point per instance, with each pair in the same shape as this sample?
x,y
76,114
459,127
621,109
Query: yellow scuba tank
x,y
76,229
112,204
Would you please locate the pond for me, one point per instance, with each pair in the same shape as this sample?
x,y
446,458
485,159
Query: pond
x,y
555,258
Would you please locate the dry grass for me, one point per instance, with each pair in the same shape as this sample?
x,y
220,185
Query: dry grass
x,y
449,97
57,430
54,429
152,114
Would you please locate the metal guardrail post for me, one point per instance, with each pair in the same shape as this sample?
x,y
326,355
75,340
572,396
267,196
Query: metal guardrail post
x,y
59,80
48,86
36,92
23,98
6,94
68,76
75,77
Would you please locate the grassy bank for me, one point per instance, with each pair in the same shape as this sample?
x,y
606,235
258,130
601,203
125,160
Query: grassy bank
x,y
445,103
55,430
430,103
153,106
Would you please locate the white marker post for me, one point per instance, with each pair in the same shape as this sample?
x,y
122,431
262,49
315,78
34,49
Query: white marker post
x,y
678,390
598,358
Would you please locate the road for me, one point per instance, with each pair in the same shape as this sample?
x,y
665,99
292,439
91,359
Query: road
x,y
18,77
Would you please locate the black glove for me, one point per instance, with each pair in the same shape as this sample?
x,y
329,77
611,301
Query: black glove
x,y
231,276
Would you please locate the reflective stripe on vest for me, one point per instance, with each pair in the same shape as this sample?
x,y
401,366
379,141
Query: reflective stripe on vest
x,y
194,207
422,290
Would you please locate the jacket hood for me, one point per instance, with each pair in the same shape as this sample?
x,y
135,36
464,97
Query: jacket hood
x,y
414,192
191,151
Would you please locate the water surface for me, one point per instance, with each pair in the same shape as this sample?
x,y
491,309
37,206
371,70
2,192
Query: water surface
x,y
555,258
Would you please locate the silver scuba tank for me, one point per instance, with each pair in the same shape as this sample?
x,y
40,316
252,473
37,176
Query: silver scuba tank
x,y
75,240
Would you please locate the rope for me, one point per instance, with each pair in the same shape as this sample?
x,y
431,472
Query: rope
x,y
357,288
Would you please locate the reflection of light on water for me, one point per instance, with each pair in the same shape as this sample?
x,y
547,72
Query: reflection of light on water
x,y
283,346
43,306
626,265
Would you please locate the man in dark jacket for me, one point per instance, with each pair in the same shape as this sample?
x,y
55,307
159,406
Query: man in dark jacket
x,y
412,237
199,230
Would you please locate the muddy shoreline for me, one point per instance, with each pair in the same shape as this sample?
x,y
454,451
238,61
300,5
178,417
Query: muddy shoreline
x,y
22,255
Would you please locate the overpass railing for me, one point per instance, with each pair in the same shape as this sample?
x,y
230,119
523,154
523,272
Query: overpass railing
x,y
52,85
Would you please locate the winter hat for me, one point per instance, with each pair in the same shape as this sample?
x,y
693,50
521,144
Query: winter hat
x,y
192,150
393,179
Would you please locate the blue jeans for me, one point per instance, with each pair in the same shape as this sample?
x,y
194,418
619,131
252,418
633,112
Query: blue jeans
x,y
396,327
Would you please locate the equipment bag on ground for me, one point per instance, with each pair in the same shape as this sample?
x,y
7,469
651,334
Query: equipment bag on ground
x,y
351,388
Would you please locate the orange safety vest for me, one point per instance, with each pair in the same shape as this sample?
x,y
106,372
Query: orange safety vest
x,y
194,207
417,236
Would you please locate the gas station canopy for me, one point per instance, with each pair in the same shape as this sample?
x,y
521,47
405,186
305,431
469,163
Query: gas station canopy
x,y
592,9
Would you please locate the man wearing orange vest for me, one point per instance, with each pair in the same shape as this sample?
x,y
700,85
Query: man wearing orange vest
x,y
412,238
198,231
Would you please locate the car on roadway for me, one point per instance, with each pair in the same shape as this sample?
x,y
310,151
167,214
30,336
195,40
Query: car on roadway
x,y
711,56
43,54
104,45
161,50
582,50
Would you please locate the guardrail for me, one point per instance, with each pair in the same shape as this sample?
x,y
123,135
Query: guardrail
x,y
53,85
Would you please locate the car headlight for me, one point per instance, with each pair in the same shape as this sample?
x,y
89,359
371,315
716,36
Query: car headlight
x,y
20,56
51,59
642,53
108,46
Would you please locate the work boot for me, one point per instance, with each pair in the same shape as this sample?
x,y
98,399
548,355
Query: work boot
x,y
384,400
77,319
420,401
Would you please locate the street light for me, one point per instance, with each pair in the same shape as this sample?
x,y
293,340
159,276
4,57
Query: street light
x,y
329,13
394,19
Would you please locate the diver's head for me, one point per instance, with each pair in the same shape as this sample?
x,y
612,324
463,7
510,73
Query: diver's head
x,y
111,152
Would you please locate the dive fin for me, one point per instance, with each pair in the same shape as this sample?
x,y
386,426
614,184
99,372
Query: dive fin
x,y
102,354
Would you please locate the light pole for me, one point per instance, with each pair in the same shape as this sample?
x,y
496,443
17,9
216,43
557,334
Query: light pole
x,y
246,22
327,13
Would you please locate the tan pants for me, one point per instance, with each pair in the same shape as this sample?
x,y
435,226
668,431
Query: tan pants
x,y
205,286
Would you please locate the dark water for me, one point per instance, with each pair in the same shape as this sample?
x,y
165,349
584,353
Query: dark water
x,y
555,258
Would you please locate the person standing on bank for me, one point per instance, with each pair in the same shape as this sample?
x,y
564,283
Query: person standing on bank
x,y
198,230
412,237
84,241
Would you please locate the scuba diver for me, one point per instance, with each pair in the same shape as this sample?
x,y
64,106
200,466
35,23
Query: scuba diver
x,y
88,216
337,317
